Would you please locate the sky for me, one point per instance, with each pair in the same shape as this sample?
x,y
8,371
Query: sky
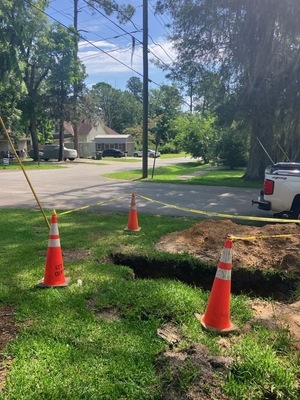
x,y
106,46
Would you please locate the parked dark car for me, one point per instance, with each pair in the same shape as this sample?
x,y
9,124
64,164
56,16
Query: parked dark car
x,y
113,153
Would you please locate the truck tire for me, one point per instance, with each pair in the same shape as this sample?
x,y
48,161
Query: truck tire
x,y
296,213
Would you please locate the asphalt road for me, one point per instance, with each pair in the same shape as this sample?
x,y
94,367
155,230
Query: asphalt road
x,y
82,184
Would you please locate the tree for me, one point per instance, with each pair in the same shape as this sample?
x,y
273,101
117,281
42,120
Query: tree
x,y
124,11
231,148
119,109
135,86
164,105
18,25
196,135
66,72
255,46
28,26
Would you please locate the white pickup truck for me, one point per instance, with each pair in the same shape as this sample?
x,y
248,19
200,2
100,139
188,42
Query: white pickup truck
x,y
281,190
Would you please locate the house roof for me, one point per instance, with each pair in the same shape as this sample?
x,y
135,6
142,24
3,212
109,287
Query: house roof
x,y
110,131
85,127
68,128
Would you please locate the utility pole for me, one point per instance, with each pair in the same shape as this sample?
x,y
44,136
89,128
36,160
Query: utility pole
x,y
145,89
75,123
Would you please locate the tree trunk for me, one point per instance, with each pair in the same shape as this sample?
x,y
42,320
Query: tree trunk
x,y
261,145
33,132
76,142
61,140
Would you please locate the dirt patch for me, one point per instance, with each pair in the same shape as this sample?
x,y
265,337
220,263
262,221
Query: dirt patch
x,y
267,248
72,255
206,239
274,315
192,374
8,331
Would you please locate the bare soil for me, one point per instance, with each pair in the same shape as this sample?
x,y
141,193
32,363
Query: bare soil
x,y
254,246
273,247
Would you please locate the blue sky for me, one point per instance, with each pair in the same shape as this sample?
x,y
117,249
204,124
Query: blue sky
x,y
107,50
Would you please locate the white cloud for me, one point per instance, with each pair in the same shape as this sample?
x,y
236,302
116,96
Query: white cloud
x,y
118,61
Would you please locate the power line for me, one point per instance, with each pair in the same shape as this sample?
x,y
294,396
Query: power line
x,y
107,53
133,37
69,16
85,39
114,23
163,23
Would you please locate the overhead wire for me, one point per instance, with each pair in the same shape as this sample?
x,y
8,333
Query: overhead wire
x,y
128,33
68,16
162,23
87,41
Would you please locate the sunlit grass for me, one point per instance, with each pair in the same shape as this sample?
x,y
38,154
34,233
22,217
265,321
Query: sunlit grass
x,y
193,173
224,177
31,165
67,349
160,174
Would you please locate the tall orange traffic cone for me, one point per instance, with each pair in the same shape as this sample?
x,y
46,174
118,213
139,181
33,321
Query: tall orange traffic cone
x,y
54,271
133,224
217,314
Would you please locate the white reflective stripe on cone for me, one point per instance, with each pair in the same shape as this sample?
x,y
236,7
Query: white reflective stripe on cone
x,y
53,243
226,256
224,274
54,229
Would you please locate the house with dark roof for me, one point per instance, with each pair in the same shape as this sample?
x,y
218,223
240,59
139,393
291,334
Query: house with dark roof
x,y
97,137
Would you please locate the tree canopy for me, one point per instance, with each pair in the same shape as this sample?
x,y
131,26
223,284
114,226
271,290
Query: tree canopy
x,y
254,47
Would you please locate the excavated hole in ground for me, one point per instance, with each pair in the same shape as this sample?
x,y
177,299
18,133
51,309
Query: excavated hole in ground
x,y
253,282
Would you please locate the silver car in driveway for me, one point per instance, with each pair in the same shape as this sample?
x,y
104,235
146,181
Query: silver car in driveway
x,y
151,153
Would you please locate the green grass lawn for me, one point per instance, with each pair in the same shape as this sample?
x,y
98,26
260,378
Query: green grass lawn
x,y
193,173
66,347
29,164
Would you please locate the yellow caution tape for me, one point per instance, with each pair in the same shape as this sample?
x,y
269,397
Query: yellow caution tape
x,y
220,215
92,205
207,213
258,237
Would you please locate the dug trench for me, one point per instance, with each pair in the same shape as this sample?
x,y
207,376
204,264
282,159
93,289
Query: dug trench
x,y
265,266
266,260
255,283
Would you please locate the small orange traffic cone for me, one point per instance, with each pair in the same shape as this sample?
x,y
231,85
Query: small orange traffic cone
x,y
133,224
217,314
54,271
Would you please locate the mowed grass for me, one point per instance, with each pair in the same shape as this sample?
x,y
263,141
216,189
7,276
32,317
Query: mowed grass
x,y
192,173
31,165
67,348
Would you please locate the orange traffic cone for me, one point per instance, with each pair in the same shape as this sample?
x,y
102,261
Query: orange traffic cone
x,y
133,224
217,314
54,270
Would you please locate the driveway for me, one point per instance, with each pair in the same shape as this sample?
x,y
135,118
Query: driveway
x,y
82,184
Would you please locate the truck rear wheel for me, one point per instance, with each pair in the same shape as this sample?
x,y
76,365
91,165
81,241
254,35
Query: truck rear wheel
x,y
296,213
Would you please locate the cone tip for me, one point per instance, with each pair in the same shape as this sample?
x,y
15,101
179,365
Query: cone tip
x,y
228,242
